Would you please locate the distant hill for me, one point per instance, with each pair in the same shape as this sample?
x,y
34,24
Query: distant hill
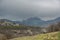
x,y
3,20
33,21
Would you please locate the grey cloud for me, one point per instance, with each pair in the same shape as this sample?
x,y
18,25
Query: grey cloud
x,y
21,9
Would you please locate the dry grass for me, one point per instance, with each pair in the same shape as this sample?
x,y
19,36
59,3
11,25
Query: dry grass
x,y
48,36
3,37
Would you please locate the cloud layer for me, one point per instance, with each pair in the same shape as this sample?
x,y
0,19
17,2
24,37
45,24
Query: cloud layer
x,y
21,9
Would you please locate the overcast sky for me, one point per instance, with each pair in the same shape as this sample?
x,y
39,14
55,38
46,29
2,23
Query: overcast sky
x,y
22,9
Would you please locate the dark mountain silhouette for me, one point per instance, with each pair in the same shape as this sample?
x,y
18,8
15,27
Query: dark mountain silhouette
x,y
5,20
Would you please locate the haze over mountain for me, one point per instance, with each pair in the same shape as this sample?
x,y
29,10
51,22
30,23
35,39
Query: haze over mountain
x,y
33,21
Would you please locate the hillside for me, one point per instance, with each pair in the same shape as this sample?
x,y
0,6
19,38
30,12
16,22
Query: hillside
x,y
48,36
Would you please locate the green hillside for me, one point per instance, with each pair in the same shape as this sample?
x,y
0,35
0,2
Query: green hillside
x,y
48,36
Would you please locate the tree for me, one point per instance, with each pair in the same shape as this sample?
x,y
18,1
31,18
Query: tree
x,y
54,27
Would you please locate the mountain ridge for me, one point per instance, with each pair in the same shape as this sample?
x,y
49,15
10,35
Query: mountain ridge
x,y
33,21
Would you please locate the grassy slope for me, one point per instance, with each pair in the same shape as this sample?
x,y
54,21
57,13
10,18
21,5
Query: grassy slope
x,y
48,36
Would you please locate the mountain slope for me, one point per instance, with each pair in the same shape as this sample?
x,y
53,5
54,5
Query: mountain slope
x,y
54,21
33,21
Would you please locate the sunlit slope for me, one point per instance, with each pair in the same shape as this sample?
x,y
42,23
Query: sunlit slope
x,y
48,36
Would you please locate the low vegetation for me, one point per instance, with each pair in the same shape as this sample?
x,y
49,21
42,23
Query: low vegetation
x,y
23,32
48,36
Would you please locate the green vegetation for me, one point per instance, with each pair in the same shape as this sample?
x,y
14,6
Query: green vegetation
x,y
19,27
59,36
